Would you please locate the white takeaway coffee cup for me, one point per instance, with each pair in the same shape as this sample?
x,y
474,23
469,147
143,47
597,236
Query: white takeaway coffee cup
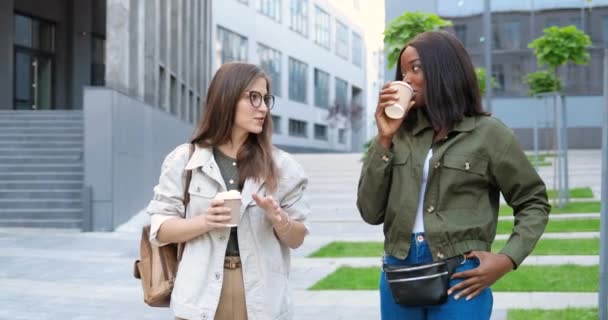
x,y
232,200
399,109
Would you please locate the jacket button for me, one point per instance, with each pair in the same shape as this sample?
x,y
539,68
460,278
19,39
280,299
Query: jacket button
x,y
437,165
440,255
198,189
217,276
430,209
204,316
467,165
222,238
385,158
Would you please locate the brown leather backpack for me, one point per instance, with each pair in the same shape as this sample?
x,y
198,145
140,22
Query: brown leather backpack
x,y
157,266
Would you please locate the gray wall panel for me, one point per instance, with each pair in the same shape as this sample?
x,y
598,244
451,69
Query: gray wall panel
x,y
126,141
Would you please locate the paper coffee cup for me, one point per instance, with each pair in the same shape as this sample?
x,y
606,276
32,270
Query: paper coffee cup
x,y
232,200
399,109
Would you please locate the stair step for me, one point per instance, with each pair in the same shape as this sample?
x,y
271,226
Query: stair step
x,y
39,145
40,130
24,203
28,176
41,184
65,159
76,152
42,223
15,138
13,123
74,194
49,167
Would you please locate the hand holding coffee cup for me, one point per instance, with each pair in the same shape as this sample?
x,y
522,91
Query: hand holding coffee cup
x,y
232,200
389,96
399,109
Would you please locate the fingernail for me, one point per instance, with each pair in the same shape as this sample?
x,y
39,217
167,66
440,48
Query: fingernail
x,y
449,292
456,297
468,298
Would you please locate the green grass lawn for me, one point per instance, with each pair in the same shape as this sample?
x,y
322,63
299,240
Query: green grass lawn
x,y
560,314
564,278
340,249
562,225
546,247
542,160
577,207
579,193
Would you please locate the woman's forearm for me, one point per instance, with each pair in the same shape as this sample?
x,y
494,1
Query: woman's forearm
x,y
180,230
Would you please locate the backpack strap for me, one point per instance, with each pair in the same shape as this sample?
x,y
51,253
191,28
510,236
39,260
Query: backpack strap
x,y
180,246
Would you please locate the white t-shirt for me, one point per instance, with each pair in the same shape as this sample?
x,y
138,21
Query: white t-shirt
x,y
419,224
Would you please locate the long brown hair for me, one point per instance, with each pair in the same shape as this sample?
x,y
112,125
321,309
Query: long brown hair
x,y
215,126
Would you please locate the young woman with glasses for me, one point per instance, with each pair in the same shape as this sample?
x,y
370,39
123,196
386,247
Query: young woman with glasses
x,y
232,272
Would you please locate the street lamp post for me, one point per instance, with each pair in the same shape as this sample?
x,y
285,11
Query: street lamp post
x,y
603,294
487,27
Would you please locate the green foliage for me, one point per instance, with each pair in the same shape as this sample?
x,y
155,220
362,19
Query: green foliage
x,y
560,45
405,27
481,80
542,81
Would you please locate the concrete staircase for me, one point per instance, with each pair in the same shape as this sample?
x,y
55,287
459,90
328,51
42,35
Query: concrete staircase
x,y
41,169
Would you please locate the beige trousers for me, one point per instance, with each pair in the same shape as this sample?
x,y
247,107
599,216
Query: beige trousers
x,y
232,299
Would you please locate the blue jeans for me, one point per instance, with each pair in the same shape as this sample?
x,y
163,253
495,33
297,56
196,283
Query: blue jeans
x,y
478,308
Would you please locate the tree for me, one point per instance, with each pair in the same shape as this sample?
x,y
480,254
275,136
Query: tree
x,y
558,46
404,28
480,73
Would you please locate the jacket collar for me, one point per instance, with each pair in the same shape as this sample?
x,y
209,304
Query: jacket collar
x,y
203,158
467,124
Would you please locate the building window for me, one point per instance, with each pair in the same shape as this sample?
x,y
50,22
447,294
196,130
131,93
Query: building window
x,y
342,136
357,50
270,8
341,40
320,132
515,83
461,33
270,61
299,17
244,1
276,124
34,63
576,21
98,66
297,80
605,31
34,34
552,22
498,73
231,46
297,128
321,89
322,34
341,93
512,34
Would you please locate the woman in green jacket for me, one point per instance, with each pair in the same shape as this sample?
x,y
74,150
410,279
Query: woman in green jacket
x,y
439,172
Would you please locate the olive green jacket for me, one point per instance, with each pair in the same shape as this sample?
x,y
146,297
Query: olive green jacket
x,y
478,160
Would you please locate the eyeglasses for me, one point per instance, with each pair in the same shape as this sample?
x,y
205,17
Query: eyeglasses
x,y
256,99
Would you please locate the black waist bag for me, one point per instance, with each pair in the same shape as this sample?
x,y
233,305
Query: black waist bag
x,y
423,284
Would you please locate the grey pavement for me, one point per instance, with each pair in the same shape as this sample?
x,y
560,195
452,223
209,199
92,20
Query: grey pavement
x,y
64,274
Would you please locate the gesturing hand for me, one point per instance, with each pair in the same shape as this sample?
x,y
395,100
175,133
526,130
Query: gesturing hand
x,y
491,268
272,209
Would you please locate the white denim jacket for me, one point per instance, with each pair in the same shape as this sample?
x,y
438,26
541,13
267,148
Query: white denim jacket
x,y
265,260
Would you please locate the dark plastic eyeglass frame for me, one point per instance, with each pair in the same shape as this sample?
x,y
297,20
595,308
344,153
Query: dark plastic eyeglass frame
x,y
263,98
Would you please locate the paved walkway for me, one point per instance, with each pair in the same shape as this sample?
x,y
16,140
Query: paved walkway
x,y
59,274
